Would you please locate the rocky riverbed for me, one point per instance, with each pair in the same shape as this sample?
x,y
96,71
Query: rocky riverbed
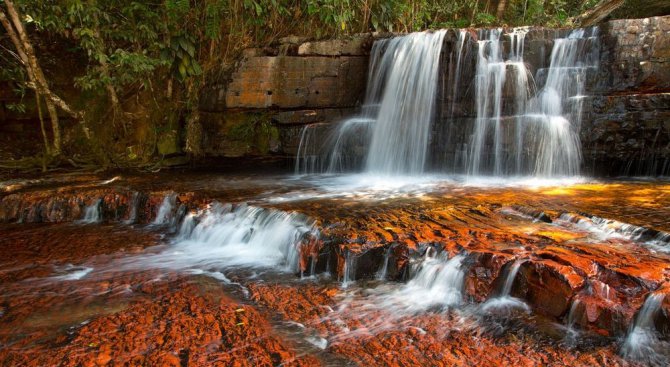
x,y
205,269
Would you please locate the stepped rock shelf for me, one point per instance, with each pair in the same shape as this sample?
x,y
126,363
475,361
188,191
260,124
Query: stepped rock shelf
x,y
322,271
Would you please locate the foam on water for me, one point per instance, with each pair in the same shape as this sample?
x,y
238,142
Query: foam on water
x,y
71,272
606,229
643,343
227,236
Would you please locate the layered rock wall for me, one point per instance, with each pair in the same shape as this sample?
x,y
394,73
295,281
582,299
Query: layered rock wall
x,y
624,128
283,88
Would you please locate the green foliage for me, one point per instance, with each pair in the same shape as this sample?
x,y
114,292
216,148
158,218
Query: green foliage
x,y
166,49
256,131
129,42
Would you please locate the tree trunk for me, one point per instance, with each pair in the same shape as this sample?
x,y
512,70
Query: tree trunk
x,y
599,12
38,100
104,69
38,81
502,6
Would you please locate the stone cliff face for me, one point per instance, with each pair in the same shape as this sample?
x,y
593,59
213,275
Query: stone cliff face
x,y
291,85
624,127
626,130
625,121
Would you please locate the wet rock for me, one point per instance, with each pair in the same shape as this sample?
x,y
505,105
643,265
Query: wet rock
x,y
293,82
356,46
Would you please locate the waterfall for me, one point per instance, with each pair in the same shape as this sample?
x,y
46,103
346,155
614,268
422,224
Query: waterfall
x,y
134,203
518,131
527,121
381,273
438,283
396,116
511,275
504,300
225,236
490,80
574,313
166,210
642,341
349,270
401,131
92,213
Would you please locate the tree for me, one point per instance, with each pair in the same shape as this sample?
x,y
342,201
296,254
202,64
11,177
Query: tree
x,y
11,21
599,12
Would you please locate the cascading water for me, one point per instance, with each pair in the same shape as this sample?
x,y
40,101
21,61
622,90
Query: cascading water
x,y
134,203
518,132
643,341
349,269
504,300
225,236
92,213
381,273
401,132
166,210
398,109
489,132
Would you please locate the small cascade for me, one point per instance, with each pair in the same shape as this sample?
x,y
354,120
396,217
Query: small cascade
x,y
340,150
605,229
438,283
225,236
504,300
381,273
457,59
511,276
312,265
166,212
643,341
574,315
92,213
349,270
188,224
134,203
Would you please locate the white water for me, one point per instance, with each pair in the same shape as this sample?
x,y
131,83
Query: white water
x,y
224,236
605,229
166,212
92,213
437,286
396,116
401,131
349,270
518,131
438,283
643,341
71,272
492,72
504,300
134,203
381,273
